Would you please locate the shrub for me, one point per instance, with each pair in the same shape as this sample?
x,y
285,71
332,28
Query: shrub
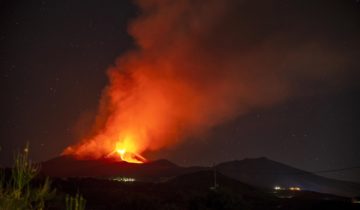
x,y
16,193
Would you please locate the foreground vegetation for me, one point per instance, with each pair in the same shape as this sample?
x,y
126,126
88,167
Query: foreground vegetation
x,y
19,192
16,191
22,187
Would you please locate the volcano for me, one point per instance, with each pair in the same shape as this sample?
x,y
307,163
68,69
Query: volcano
x,y
152,171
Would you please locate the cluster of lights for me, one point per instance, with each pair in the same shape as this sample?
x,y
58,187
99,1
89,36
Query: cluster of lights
x,y
278,188
290,188
295,188
124,179
355,200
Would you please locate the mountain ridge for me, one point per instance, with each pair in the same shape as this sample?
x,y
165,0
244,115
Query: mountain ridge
x,y
258,172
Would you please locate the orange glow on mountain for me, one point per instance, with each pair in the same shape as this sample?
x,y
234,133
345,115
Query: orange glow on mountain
x,y
125,150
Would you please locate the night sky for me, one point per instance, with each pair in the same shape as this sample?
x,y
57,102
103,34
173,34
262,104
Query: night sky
x,y
53,61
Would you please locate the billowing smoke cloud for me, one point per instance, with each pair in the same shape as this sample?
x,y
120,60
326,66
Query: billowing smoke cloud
x,y
202,62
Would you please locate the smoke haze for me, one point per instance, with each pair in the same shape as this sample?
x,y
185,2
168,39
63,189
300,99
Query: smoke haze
x,y
201,63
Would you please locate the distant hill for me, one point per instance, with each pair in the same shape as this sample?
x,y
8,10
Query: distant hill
x,y
154,171
258,172
193,191
265,173
205,180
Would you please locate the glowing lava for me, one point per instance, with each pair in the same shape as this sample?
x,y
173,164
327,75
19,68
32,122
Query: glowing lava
x,y
125,149
122,150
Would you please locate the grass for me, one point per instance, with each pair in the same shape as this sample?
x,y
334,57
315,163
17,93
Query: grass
x,y
76,202
16,192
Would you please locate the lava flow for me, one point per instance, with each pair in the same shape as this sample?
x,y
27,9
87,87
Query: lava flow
x,y
124,154
125,149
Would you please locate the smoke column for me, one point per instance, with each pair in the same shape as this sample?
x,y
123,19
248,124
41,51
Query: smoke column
x,y
200,63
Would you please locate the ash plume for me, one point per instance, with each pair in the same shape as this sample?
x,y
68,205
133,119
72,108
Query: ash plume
x,y
200,63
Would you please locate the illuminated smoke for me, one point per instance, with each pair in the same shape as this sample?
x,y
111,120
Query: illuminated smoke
x,y
200,63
